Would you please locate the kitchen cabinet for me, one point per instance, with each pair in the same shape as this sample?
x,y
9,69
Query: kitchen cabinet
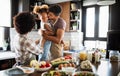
x,y
5,64
5,16
75,20
7,59
75,15
31,7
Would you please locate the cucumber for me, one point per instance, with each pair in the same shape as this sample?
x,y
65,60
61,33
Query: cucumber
x,y
55,64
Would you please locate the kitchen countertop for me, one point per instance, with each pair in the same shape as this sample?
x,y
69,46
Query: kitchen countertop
x,y
7,55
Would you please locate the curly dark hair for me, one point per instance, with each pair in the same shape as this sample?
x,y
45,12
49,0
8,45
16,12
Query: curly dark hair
x,y
24,22
56,9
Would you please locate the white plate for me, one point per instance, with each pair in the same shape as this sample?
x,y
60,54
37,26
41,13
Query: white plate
x,y
44,69
83,72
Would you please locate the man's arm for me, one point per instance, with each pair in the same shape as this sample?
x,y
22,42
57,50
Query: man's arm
x,y
48,32
58,38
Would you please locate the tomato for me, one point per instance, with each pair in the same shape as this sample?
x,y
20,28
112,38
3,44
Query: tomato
x,y
47,65
42,66
68,57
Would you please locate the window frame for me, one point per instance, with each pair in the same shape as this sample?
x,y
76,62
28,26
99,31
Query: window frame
x,y
96,33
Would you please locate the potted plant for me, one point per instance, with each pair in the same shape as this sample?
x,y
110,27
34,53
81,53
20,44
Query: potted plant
x,y
74,26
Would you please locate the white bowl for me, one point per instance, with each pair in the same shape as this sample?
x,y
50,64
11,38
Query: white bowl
x,y
28,70
69,70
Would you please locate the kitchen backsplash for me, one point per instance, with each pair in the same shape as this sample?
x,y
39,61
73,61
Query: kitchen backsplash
x,y
75,38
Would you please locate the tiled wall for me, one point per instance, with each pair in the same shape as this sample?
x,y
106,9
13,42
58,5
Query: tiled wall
x,y
34,35
75,38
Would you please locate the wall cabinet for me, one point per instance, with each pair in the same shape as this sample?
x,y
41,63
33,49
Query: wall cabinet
x,y
5,16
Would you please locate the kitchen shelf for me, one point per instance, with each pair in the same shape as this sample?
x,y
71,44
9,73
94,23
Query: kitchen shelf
x,y
74,20
71,13
75,10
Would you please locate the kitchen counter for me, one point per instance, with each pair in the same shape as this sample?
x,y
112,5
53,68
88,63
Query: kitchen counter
x,y
7,55
104,68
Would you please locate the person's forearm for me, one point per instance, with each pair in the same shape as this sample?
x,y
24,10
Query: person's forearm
x,y
54,39
57,39
50,33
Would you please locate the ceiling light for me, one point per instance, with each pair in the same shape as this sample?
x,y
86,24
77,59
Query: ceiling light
x,y
105,2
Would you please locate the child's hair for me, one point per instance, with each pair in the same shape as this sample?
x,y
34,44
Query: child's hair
x,y
36,9
24,22
56,9
43,8
40,9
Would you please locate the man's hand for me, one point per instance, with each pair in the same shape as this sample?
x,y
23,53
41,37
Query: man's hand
x,y
57,39
45,35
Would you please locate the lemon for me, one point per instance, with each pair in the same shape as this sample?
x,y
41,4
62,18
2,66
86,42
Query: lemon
x,y
37,67
34,63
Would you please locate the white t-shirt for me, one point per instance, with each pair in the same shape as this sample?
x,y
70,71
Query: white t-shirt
x,y
42,25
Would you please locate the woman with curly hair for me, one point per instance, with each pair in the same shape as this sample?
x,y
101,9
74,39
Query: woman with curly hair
x,y
25,49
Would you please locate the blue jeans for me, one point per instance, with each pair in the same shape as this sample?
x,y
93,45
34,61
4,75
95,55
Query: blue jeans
x,y
46,51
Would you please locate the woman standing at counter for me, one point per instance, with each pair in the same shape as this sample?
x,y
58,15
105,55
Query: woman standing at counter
x,y
24,47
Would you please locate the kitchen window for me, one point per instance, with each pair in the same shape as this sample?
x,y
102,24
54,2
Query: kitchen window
x,y
103,21
96,26
90,22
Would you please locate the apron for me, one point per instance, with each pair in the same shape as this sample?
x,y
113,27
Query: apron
x,y
56,49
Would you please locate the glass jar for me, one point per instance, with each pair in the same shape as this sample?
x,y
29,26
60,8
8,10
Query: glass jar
x,y
89,55
83,55
114,55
